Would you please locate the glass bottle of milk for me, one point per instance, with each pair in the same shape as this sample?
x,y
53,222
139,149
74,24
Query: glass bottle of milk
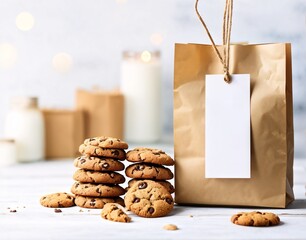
x,y
7,152
25,124
141,86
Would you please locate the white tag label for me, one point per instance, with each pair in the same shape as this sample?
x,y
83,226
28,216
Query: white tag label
x,y
227,127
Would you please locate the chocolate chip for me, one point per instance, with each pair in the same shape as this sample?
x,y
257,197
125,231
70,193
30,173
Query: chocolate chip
x,y
139,167
92,202
115,152
111,142
151,210
136,200
168,200
105,165
142,185
82,160
13,211
57,210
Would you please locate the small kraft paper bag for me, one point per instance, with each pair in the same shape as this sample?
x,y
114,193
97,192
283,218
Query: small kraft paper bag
x,y
233,122
104,112
64,132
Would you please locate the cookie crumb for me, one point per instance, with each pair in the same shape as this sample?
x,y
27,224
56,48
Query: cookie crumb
x,y
57,210
81,210
190,216
170,227
13,210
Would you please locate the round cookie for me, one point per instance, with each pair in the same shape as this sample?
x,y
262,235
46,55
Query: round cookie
x,y
148,171
97,190
87,176
166,184
149,155
96,202
98,164
102,152
114,212
57,200
106,142
149,199
257,219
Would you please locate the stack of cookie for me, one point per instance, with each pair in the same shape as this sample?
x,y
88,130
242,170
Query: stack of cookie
x,y
148,163
97,179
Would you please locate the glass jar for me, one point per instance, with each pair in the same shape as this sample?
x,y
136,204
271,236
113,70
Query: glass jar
x,y
141,87
25,124
7,152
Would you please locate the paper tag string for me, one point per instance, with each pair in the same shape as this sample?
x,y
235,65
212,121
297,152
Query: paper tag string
x,y
227,27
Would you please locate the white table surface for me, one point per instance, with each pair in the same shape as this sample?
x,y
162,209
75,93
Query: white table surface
x,y
22,185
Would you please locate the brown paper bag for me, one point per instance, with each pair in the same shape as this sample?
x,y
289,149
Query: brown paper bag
x,y
64,132
103,112
271,182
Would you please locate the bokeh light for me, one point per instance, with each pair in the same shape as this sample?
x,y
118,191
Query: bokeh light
x,y
25,21
8,55
146,56
62,62
156,39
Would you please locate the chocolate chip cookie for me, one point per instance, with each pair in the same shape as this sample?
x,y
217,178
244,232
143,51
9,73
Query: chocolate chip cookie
x,y
257,219
98,164
114,212
148,171
97,190
149,199
106,142
88,176
96,151
96,202
149,155
57,200
166,184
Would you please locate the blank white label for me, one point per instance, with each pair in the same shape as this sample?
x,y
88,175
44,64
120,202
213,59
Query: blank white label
x,y
227,127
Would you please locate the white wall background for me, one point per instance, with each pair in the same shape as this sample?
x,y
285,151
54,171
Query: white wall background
x,y
94,33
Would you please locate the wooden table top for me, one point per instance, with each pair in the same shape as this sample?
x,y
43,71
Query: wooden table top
x,y
22,185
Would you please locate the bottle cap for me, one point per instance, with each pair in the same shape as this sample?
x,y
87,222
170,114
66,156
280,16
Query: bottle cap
x,y
7,140
25,102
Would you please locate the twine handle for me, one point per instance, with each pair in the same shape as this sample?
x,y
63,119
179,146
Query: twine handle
x,y
227,28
